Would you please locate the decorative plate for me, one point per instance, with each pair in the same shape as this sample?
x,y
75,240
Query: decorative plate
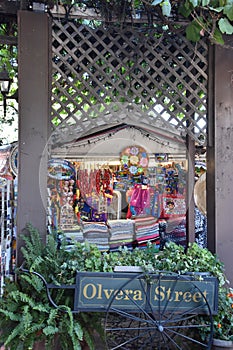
x,y
134,159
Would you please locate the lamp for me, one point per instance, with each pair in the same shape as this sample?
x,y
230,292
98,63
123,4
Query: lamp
x,y
5,83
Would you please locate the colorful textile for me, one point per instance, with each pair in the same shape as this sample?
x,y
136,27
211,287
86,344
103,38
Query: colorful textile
x,y
146,229
121,233
98,234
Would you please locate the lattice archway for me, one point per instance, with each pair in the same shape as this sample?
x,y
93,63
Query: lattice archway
x,y
103,75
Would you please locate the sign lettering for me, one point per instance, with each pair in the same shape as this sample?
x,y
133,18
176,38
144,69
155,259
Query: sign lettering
x,y
96,291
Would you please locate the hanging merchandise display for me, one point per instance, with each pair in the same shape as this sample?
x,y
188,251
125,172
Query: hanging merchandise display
x,y
8,195
95,192
120,203
61,188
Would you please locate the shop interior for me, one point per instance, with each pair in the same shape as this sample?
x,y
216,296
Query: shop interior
x,y
119,186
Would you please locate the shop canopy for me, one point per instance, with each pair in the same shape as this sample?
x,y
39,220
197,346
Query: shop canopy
x,y
107,142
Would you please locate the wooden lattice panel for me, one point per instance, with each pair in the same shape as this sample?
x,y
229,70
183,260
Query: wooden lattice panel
x,y
102,75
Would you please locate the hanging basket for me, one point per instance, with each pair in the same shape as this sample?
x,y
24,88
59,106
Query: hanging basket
x,y
219,344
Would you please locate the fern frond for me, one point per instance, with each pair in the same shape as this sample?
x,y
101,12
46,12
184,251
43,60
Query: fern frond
x,y
33,281
36,264
33,246
10,315
23,297
52,316
26,316
78,330
41,308
77,346
34,329
50,330
16,332
51,246
89,339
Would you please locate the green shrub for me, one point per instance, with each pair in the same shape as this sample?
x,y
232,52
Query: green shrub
x,y
26,314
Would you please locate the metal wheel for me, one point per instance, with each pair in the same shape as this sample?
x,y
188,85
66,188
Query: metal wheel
x,y
159,311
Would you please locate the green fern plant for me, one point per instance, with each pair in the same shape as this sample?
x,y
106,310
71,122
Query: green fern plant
x,y
26,315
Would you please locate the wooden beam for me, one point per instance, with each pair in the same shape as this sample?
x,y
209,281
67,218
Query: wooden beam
x,y
8,40
9,7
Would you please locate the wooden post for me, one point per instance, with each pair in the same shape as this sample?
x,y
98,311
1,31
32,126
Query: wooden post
x,y
210,174
34,111
220,157
190,215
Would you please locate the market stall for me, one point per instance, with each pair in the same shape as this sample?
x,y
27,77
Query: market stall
x,y
116,186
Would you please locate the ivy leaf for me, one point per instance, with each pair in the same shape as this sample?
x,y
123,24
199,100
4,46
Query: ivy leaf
x,y
205,2
156,2
225,26
193,31
166,8
185,9
217,37
195,3
228,11
216,9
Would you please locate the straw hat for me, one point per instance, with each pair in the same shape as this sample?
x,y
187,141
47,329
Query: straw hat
x,y
200,193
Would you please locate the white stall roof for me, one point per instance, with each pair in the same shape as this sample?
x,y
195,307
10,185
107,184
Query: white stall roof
x,y
110,141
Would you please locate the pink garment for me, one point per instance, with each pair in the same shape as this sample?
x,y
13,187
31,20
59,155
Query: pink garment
x,y
140,198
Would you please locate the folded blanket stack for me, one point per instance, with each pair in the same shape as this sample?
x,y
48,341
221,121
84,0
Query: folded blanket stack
x,y
97,233
146,229
121,234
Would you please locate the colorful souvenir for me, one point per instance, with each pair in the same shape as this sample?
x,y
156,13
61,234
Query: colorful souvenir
x,y
60,169
134,159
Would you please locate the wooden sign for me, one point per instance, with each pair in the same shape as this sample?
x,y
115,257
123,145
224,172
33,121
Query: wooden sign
x,y
130,291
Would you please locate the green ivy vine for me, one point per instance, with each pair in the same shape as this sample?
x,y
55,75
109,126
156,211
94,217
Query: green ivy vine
x,y
201,18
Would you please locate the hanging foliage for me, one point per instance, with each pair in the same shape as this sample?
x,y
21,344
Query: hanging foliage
x,y
200,18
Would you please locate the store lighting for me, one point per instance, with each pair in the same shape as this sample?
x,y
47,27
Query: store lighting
x,y
5,83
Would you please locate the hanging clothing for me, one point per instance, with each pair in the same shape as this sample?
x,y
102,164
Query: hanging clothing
x,y
140,199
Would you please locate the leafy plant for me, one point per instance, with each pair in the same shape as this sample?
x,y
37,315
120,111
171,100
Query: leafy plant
x,y
223,321
194,259
206,18
26,316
